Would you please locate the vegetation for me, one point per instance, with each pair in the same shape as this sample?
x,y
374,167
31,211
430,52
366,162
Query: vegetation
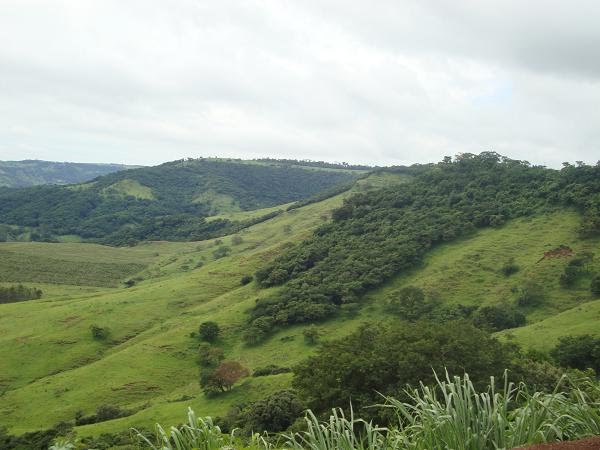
x,y
18,174
581,352
170,201
209,331
380,233
18,293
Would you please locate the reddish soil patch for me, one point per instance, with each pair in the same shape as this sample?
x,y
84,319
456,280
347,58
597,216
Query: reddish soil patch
x,y
584,444
558,252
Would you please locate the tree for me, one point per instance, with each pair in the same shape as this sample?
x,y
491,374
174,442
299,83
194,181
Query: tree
x,y
509,267
580,352
209,331
311,335
227,374
209,356
498,317
595,286
383,358
411,304
274,414
530,294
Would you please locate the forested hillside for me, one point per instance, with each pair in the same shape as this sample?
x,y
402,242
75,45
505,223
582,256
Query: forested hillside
x,y
34,172
166,202
381,233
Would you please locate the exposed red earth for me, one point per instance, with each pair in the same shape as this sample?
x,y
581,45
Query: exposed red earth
x,y
592,443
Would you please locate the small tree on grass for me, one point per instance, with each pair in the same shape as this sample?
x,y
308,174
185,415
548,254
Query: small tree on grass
x,y
223,377
311,335
209,356
99,333
209,331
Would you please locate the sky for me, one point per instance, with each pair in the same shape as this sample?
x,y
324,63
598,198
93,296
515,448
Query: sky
x,y
372,82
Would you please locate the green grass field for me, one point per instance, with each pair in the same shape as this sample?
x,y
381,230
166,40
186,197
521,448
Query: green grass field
x,y
51,367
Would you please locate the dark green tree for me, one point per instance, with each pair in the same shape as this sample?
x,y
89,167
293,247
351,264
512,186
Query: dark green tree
x,y
209,331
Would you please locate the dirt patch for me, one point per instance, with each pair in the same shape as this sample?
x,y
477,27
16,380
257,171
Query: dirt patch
x,y
137,386
559,252
584,444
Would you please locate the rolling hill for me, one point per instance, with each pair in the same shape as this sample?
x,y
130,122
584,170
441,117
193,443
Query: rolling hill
x,y
52,368
18,174
167,202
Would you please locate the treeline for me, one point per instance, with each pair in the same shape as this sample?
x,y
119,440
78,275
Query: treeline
x,y
319,164
19,293
378,234
176,209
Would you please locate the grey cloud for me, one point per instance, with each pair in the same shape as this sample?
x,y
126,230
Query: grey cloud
x,y
386,82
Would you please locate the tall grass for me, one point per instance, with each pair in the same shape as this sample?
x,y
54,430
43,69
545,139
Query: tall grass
x,y
450,415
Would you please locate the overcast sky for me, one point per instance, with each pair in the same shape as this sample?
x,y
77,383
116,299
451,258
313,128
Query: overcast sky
x,y
378,82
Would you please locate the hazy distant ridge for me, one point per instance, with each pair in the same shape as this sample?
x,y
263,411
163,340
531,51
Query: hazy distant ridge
x,y
35,172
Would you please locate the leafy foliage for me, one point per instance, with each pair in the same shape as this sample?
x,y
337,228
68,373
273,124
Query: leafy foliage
x,y
18,293
384,358
223,377
177,199
498,317
209,331
580,352
378,234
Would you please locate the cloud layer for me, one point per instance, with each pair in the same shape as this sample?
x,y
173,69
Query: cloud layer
x,y
387,82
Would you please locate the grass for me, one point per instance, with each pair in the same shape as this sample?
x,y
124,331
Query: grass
x,y
131,188
50,362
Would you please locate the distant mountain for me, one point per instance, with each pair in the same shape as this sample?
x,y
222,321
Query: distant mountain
x,y
170,201
35,172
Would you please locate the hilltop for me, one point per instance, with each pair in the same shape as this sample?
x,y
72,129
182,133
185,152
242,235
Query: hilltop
x,y
17,174
166,202
475,235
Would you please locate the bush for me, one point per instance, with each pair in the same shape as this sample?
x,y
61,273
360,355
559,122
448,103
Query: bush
x,y
579,352
221,252
270,370
411,304
595,286
246,279
311,335
383,358
236,240
103,413
99,333
569,276
209,356
275,413
209,331
509,268
530,294
497,318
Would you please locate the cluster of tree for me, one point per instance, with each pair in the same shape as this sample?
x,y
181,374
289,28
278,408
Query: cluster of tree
x,y
318,164
274,413
35,440
575,268
216,374
103,413
385,358
19,293
176,210
377,234
271,369
579,352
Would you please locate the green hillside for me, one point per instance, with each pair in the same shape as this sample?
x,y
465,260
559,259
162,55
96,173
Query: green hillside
x,y
52,367
166,202
17,174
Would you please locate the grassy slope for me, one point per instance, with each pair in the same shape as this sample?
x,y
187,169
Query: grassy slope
x,y
150,361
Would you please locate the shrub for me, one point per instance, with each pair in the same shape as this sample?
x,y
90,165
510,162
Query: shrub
x,y
311,335
270,370
595,286
569,275
246,279
509,268
410,303
209,331
103,413
274,413
99,333
221,252
497,318
580,352
236,240
209,356
530,294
